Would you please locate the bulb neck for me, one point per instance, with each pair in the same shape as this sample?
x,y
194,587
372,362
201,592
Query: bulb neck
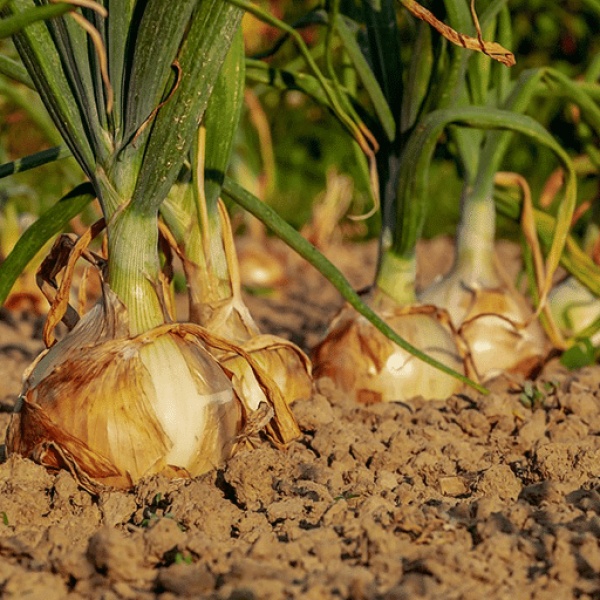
x,y
134,267
396,277
475,242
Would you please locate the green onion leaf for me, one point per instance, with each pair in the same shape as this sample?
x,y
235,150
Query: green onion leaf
x,y
48,225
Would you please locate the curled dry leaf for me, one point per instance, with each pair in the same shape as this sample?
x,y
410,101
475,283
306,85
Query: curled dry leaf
x,y
491,49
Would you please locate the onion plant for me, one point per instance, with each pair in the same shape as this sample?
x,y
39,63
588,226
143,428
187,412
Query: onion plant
x,y
127,392
451,92
203,238
128,104
494,319
574,300
358,358
500,329
411,92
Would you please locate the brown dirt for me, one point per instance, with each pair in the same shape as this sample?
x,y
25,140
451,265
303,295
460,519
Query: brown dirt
x,y
468,498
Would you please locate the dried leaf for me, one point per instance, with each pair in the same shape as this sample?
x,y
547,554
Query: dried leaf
x,y
491,49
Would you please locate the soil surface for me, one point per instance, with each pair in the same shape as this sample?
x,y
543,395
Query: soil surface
x,y
473,497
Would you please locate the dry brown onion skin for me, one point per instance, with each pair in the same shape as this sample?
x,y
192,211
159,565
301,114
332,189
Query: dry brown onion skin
x,y
95,410
260,267
285,363
499,338
497,326
574,307
361,360
177,399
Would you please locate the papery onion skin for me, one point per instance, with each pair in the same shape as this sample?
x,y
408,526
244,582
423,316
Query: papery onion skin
x,y
363,362
495,323
503,341
98,409
259,267
114,409
285,363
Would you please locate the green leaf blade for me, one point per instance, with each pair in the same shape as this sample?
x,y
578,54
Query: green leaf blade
x,y
158,38
43,62
32,241
201,56
10,25
222,118
363,69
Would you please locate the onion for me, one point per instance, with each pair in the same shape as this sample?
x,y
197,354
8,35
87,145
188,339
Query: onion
x,y
574,308
216,303
365,363
491,316
260,267
113,408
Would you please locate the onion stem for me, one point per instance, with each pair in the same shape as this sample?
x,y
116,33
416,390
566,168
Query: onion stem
x,y
475,239
134,267
396,277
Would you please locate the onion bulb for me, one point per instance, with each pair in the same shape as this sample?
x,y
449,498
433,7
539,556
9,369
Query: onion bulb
x,y
216,303
362,361
491,316
574,307
113,408
260,266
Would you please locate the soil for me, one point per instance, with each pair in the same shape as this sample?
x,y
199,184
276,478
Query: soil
x,y
477,496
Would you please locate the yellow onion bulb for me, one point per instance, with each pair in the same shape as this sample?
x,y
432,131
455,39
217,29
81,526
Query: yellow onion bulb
x,y
259,266
574,307
120,409
495,322
286,364
363,362
113,408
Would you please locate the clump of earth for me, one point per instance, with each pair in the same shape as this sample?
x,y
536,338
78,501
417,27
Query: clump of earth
x,y
493,496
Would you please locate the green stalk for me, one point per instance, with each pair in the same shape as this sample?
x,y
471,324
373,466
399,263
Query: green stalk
x,y
12,24
132,176
395,274
212,157
475,238
32,241
134,267
34,160
396,277
15,71
209,252
191,211
477,228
